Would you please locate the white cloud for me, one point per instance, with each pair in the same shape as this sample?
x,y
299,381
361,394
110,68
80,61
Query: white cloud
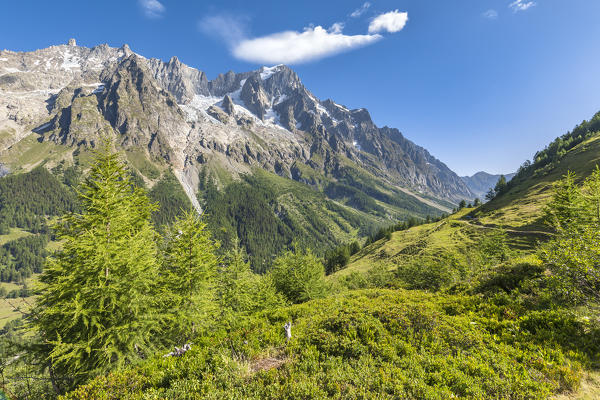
x,y
361,10
490,14
392,21
521,5
152,8
293,47
336,28
230,28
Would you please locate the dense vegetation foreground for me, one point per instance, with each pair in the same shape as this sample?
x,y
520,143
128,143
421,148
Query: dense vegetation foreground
x,y
372,344
447,309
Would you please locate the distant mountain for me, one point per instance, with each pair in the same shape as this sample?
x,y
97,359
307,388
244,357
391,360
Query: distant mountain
x,y
481,182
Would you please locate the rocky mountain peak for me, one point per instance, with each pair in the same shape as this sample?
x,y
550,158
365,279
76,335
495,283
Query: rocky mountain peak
x,y
179,79
361,115
225,83
72,42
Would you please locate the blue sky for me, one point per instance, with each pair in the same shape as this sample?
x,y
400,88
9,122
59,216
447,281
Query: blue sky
x,y
482,84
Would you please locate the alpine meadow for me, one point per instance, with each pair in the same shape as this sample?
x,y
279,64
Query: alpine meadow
x,y
169,232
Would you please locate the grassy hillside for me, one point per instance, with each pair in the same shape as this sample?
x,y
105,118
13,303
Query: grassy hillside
x,y
520,208
518,213
451,235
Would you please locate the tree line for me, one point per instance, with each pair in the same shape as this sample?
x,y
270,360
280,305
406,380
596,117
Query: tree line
x,y
546,159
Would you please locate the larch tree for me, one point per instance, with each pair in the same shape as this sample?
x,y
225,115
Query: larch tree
x,y
572,256
187,277
590,193
565,208
97,308
240,292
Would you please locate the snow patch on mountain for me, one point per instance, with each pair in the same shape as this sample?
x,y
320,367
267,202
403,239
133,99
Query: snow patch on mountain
x,y
70,61
341,107
99,88
198,106
267,72
280,99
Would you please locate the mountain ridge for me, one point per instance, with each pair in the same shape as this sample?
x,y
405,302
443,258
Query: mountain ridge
x,y
69,95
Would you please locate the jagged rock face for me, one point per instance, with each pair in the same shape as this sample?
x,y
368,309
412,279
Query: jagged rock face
x,y
254,97
77,118
180,80
30,83
144,114
266,118
226,83
227,105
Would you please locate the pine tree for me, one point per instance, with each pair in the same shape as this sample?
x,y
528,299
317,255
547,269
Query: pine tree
x,y
566,205
96,309
190,264
501,185
590,193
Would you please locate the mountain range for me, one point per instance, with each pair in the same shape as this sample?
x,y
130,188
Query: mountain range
x,y
70,95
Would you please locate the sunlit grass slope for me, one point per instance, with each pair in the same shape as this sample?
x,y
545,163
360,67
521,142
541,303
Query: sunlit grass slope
x,y
518,212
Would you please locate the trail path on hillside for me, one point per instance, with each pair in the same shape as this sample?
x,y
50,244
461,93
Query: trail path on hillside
x,y
505,229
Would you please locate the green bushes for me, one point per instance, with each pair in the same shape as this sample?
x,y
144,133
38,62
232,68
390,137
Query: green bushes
x,y
299,276
425,274
368,344
508,278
